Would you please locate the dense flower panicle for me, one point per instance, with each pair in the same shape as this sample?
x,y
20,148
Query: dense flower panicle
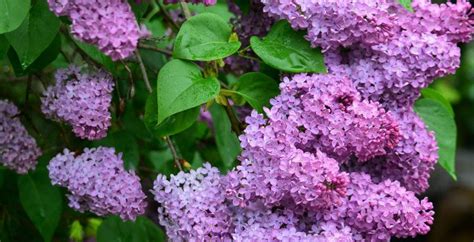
x,y
18,150
97,182
108,24
284,224
326,112
393,73
81,100
455,20
192,205
411,161
205,2
376,212
334,23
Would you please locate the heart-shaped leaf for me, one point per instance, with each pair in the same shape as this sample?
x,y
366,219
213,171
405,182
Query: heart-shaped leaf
x,y
41,201
12,14
35,34
171,125
181,86
141,230
205,37
257,89
287,50
438,119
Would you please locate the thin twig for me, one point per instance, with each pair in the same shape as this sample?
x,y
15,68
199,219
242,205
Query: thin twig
x,y
167,15
131,93
184,6
176,158
153,48
143,69
234,121
27,92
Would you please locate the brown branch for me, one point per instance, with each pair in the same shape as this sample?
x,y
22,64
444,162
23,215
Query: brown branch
x,y
153,48
176,158
143,69
234,121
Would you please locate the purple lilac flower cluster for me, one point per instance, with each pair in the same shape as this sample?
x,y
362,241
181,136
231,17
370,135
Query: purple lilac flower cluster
x,y
81,100
97,182
108,24
295,178
253,23
416,48
339,156
18,150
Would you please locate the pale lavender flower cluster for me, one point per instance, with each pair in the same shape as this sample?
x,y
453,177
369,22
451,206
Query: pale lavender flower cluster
x,y
82,100
97,182
18,150
108,24
205,2
192,205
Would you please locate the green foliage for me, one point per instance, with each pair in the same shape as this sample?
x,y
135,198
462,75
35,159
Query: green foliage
x,y
181,86
12,14
257,89
287,50
4,46
406,4
76,233
205,37
48,56
439,119
95,54
41,201
142,230
35,34
227,142
431,93
170,125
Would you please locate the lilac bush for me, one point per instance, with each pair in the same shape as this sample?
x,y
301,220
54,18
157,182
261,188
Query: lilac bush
x,y
256,120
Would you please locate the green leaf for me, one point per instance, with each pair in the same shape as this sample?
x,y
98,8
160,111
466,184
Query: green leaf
x,y
171,125
41,201
124,142
35,34
181,86
142,230
76,233
2,176
227,142
438,119
257,89
431,93
12,14
48,56
4,46
94,53
406,4
220,8
204,37
287,50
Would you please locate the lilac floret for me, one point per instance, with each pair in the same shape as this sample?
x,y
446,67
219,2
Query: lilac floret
x,y
97,182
